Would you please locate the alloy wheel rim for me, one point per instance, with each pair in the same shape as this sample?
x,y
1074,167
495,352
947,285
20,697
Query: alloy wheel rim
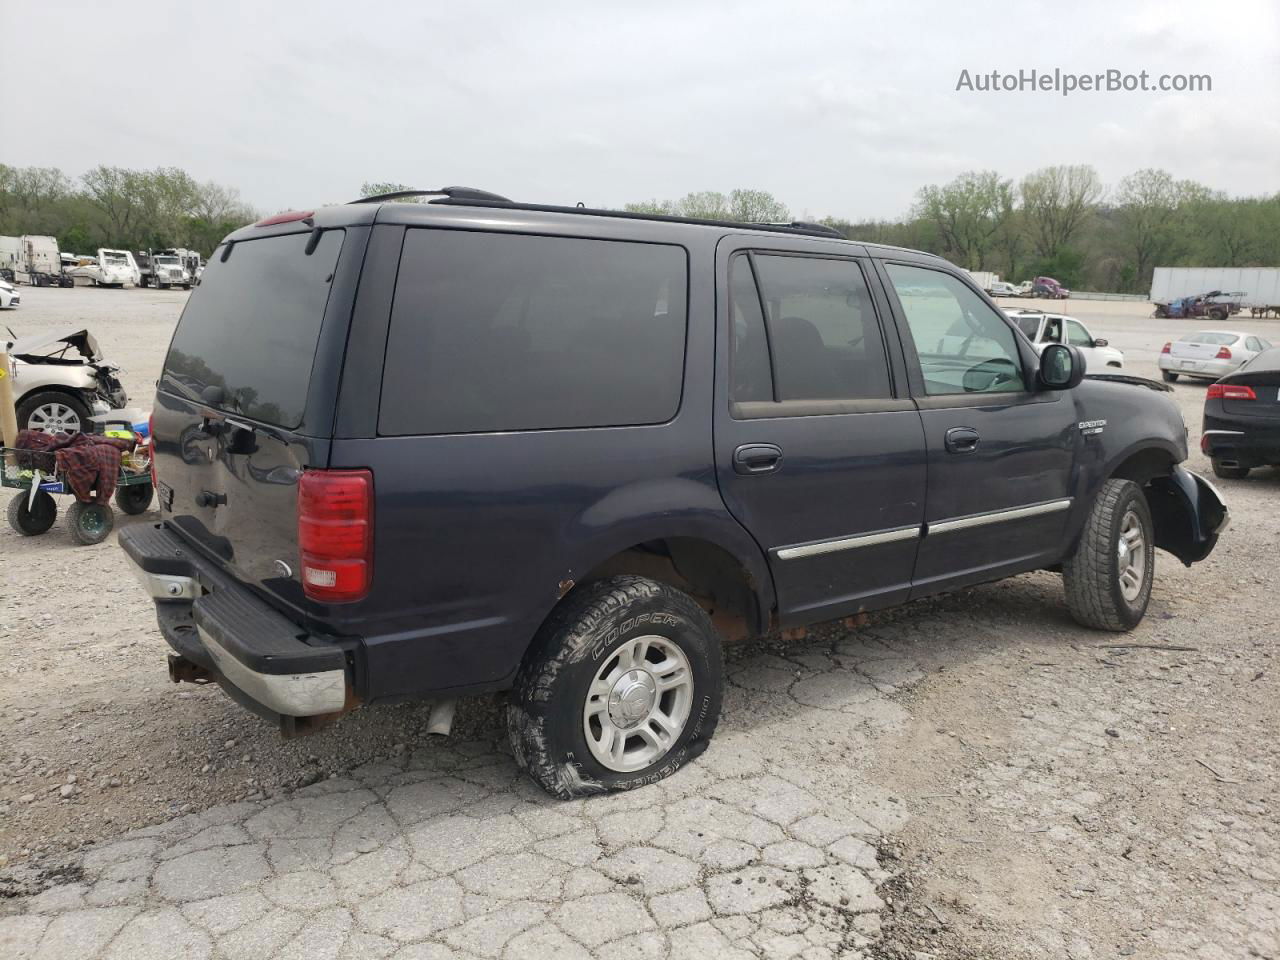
x,y
54,418
638,704
1131,556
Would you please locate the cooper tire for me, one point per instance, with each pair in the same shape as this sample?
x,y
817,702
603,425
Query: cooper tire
x,y
1225,472
1100,576
89,523
33,520
583,664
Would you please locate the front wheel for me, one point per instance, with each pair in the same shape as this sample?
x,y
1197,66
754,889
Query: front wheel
x,y
620,688
1168,377
1108,579
32,517
51,411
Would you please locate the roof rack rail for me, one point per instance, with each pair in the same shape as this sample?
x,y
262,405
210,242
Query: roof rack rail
x,y
453,193
808,226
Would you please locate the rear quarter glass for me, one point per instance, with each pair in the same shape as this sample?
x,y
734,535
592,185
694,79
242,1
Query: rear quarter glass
x,y
495,332
252,325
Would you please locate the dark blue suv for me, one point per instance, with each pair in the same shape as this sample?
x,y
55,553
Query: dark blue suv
x,y
424,450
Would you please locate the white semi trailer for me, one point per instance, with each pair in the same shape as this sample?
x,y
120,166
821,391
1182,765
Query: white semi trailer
x,y
1255,286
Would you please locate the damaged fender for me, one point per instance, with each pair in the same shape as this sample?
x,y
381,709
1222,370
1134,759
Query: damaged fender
x,y
1189,514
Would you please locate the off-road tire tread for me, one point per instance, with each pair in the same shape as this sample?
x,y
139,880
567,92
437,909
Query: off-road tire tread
x,y
570,625
1087,574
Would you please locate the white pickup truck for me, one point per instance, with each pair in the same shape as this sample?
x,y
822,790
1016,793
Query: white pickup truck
x,y
1044,328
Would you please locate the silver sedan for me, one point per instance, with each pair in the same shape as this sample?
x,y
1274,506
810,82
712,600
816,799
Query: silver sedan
x,y
1209,354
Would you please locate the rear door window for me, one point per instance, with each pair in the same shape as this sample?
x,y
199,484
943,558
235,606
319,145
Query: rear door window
x,y
251,327
495,332
823,331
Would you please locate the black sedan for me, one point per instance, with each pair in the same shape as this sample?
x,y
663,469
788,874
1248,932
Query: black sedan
x,y
1242,418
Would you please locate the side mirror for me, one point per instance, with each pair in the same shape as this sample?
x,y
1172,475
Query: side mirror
x,y
1100,343
1061,367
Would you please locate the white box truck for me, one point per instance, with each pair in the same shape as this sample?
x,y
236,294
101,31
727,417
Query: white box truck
x,y
983,278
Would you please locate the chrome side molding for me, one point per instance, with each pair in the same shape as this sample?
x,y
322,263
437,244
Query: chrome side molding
x,y
999,516
847,543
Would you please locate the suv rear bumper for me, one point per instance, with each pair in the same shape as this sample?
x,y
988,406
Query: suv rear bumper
x,y
262,659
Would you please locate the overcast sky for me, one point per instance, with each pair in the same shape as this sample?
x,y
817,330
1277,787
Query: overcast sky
x,y
836,108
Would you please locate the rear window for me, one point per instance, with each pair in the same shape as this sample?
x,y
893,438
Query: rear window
x,y
510,332
1217,339
251,327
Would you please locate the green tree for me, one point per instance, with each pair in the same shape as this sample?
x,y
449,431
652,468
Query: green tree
x,y
1057,202
968,213
1147,205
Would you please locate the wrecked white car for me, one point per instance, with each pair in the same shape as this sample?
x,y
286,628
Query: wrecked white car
x,y
60,380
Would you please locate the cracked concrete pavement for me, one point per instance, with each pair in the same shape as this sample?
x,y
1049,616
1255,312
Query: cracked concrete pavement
x,y
452,853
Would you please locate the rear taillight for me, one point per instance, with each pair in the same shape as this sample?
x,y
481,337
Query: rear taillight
x,y
1230,391
335,534
1223,354
1167,348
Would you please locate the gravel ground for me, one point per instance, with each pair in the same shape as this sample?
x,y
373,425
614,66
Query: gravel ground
x,y
968,776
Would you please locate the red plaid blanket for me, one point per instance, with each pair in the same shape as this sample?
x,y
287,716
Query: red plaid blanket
x,y
90,464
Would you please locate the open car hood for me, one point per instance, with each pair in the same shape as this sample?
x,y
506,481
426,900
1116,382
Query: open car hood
x,y
39,345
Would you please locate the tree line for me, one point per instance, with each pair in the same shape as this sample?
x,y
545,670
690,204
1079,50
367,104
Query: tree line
x,y
1060,221
118,207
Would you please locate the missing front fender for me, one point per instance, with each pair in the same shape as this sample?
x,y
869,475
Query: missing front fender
x,y
1188,513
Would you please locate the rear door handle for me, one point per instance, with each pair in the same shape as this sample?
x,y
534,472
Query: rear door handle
x,y
753,458
962,440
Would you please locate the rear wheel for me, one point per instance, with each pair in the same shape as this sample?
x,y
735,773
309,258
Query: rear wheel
x,y
1229,472
1169,377
134,498
621,688
90,523
34,519
1108,579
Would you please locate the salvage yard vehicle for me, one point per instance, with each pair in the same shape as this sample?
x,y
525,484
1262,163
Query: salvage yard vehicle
x,y
168,270
10,252
1214,304
1049,288
38,262
424,450
60,379
1242,418
1042,328
111,268
1209,354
